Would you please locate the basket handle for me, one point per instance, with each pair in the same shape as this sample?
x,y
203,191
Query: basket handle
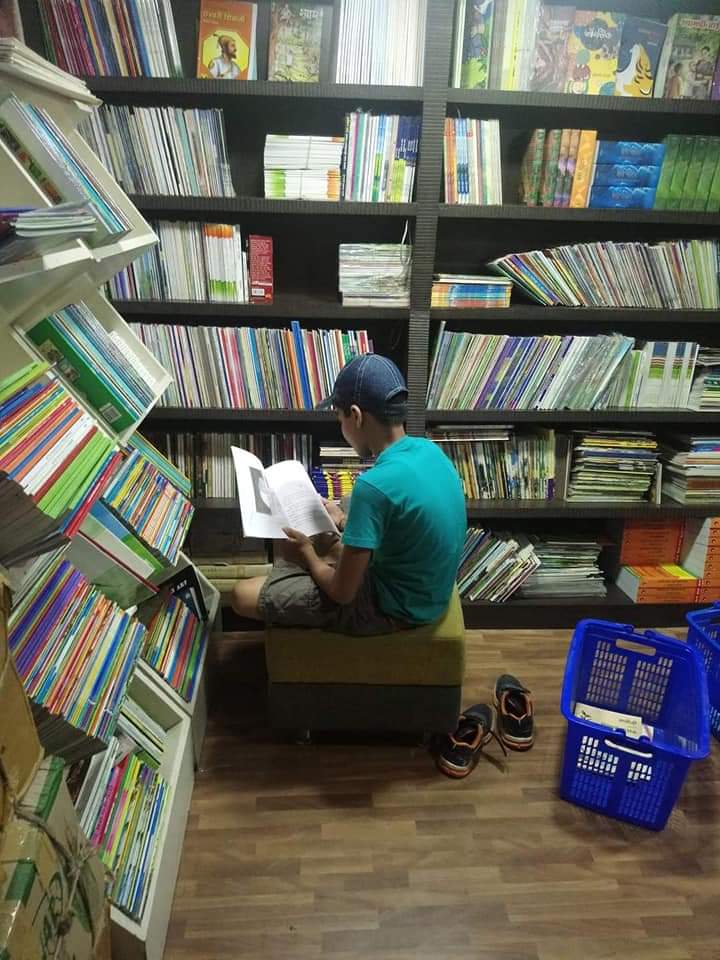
x,y
624,749
636,647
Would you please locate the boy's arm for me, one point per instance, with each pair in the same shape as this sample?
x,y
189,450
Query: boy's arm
x,y
341,582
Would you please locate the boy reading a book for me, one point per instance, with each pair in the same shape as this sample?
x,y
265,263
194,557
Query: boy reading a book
x,y
395,564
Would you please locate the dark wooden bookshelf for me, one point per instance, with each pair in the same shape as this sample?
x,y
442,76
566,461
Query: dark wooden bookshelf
x,y
523,101
588,418
516,211
192,208
539,317
491,510
190,415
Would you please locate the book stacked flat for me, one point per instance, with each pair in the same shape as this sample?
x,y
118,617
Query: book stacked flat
x,y
302,167
207,460
379,157
54,464
498,371
668,275
337,472
192,261
162,150
381,42
691,468
690,174
612,465
471,152
43,150
494,565
112,38
75,651
467,291
174,645
658,375
700,556
97,364
496,463
568,568
645,542
248,368
19,60
122,805
657,583
150,506
26,233
705,391
374,274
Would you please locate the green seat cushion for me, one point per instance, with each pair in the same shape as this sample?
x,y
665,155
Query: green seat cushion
x,y
432,655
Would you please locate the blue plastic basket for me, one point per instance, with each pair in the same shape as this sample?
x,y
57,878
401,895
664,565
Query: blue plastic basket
x,y
649,675
704,636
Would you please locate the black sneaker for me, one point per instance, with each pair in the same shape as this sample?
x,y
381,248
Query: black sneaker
x,y
515,713
459,751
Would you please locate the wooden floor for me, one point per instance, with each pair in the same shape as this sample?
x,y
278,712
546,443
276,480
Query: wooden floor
x,y
364,851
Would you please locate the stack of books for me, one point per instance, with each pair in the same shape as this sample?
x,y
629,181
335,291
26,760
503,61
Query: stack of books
x,y
19,61
162,150
150,506
691,468
238,367
467,291
617,466
175,644
43,506
206,459
122,805
44,152
302,167
179,479
337,472
379,157
381,41
494,565
646,542
125,38
26,233
700,556
690,174
471,151
374,274
496,463
192,261
660,374
75,651
705,391
568,567
658,583
667,275
99,365
498,371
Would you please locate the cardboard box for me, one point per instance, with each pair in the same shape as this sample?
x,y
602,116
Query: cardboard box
x,y
42,850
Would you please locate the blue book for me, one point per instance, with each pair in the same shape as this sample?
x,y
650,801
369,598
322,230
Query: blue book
x,y
630,151
627,174
301,363
627,198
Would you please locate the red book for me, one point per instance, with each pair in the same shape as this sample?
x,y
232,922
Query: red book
x,y
260,268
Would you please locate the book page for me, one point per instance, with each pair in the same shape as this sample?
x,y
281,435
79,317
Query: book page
x,y
300,500
262,515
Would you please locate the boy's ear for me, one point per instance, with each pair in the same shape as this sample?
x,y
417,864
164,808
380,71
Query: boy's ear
x,y
357,415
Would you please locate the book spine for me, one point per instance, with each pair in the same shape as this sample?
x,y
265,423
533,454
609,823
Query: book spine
x,y
260,257
561,167
667,170
712,157
580,191
550,167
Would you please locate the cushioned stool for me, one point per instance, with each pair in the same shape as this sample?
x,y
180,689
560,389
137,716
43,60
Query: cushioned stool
x,y
405,681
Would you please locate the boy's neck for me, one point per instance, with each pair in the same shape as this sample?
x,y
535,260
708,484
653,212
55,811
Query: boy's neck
x,y
386,438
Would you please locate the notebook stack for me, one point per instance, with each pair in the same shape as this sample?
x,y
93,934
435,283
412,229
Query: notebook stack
x,y
26,233
660,583
302,167
705,391
379,157
467,291
374,274
175,644
700,556
381,42
493,566
616,466
471,151
691,468
568,568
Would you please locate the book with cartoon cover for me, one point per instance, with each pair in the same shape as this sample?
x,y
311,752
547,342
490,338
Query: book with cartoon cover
x,y
473,40
299,41
550,63
690,53
592,52
640,49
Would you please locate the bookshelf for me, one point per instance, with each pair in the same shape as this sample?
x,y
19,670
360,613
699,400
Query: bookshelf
x,y
445,238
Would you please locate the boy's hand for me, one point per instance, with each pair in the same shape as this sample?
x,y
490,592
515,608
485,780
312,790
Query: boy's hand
x,y
299,548
336,514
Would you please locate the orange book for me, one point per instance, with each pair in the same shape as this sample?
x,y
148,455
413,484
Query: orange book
x,y
651,542
226,40
583,169
660,583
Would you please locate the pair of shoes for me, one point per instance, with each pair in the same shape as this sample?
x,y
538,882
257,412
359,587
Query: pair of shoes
x,y
510,722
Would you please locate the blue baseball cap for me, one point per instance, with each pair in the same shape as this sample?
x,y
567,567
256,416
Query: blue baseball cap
x,y
372,383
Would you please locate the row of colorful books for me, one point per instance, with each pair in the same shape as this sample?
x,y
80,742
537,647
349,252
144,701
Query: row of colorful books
x,y
494,565
337,471
122,805
458,290
690,174
162,150
375,274
552,48
247,368
75,651
667,275
174,643
471,151
201,262
705,392
28,233
381,42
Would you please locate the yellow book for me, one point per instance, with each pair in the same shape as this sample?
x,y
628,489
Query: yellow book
x,y
583,169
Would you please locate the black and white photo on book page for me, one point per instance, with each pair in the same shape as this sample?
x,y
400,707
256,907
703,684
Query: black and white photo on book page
x,y
276,497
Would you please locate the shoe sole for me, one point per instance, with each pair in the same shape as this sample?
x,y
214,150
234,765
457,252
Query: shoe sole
x,y
512,743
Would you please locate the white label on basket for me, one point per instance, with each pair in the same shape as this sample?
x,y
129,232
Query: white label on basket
x,y
631,725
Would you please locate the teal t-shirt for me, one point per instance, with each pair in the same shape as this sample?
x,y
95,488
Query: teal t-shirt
x,y
409,509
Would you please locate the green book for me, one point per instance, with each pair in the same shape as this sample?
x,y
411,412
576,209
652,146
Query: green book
x,y
531,170
662,194
682,165
713,202
710,163
551,155
21,378
693,175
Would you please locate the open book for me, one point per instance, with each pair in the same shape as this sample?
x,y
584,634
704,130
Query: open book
x,y
279,496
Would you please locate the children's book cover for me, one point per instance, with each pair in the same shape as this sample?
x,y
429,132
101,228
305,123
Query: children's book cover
x,y
550,57
226,40
640,49
297,31
695,43
592,52
477,35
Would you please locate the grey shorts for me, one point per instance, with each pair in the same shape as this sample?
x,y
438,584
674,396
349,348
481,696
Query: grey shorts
x,y
291,598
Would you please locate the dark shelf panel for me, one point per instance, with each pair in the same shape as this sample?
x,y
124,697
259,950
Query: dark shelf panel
x,y
516,211
182,415
607,315
567,101
164,88
161,206
215,503
590,417
572,510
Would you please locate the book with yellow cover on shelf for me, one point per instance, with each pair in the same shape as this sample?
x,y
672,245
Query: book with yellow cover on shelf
x,y
226,40
592,52
583,168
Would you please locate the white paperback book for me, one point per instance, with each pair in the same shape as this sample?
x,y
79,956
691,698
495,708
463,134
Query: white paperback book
x,y
272,498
